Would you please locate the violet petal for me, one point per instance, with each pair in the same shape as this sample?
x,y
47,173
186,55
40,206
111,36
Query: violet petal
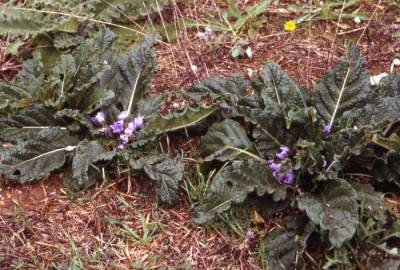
x,y
284,152
275,167
289,178
138,122
123,115
117,127
327,130
98,119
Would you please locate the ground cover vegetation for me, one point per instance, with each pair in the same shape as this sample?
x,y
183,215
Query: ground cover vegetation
x,y
318,163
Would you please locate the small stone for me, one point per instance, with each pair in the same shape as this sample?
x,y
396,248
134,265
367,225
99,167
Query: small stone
x,y
396,62
357,20
249,52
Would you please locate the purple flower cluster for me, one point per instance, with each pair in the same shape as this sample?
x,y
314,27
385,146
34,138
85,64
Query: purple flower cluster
x,y
287,177
118,127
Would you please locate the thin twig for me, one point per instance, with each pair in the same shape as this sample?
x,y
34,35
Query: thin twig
x,y
336,31
369,21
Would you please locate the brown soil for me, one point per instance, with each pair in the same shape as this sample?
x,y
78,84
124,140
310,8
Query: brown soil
x,y
105,229
30,196
306,53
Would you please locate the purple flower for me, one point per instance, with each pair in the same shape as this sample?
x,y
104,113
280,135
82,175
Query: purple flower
x,y
275,167
120,146
324,163
138,122
123,115
130,129
288,178
117,127
284,152
98,119
279,178
124,138
327,130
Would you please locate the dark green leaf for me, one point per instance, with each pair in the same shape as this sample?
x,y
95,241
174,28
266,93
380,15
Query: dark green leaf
x,y
334,209
25,123
269,130
279,87
131,74
283,247
373,201
387,168
86,154
232,185
224,141
36,158
20,92
385,101
343,89
166,171
149,107
229,92
175,121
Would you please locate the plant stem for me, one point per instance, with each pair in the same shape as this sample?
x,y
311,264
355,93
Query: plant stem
x,y
246,152
340,96
133,93
44,154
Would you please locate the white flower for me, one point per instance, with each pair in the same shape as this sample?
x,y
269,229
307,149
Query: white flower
x,y
194,68
357,20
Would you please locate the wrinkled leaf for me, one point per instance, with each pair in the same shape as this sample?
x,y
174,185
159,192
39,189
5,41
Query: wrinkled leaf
x,y
86,154
275,84
334,209
166,171
343,89
385,101
232,185
36,158
372,200
269,130
175,121
220,140
131,74
387,168
283,247
25,123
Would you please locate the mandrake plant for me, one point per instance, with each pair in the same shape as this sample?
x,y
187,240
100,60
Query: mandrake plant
x,y
326,161
88,113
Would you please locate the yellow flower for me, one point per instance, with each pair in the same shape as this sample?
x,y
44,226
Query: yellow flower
x,y
290,26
